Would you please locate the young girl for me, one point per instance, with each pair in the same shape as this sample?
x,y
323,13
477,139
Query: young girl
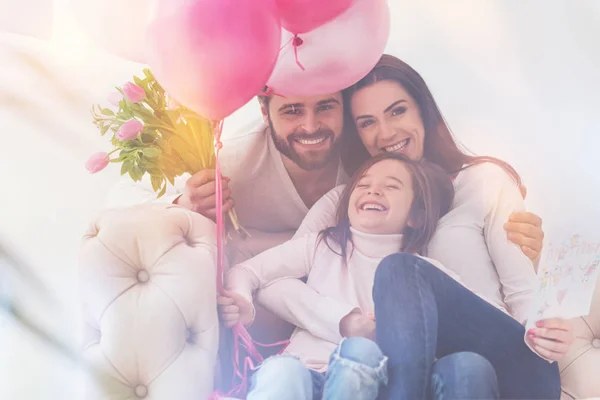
x,y
392,205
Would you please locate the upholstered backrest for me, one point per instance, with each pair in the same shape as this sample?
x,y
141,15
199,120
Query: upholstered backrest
x,y
147,277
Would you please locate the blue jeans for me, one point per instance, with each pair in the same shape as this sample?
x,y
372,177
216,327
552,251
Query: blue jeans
x,y
357,370
423,314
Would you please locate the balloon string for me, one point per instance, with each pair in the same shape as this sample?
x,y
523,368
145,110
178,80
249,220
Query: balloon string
x,y
297,41
218,129
287,43
240,334
269,91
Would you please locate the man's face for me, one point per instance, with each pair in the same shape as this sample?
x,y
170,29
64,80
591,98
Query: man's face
x,y
307,130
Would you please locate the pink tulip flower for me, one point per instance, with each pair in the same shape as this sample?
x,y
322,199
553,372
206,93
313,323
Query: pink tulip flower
x,y
129,130
97,162
133,92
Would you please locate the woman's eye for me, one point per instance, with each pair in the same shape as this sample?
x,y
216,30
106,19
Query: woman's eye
x,y
366,123
398,111
393,187
362,185
325,107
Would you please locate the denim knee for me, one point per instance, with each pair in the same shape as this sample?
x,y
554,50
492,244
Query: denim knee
x,y
284,367
362,356
282,376
393,265
464,375
361,350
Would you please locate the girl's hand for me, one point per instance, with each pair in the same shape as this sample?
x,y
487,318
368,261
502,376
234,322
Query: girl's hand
x,y
552,338
358,324
234,308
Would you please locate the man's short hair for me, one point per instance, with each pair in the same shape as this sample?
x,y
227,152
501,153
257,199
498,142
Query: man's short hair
x,y
265,97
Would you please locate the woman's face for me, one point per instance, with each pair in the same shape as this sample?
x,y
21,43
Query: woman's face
x,y
382,198
388,119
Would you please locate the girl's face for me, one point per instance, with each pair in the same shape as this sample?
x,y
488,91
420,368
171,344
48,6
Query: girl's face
x,y
382,198
388,119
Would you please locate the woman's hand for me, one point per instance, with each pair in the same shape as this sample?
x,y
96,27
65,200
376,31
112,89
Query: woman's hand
x,y
525,230
552,338
234,308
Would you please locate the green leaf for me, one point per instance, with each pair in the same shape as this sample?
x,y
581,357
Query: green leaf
x,y
171,180
136,172
137,81
151,152
157,182
162,191
139,170
108,112
126,167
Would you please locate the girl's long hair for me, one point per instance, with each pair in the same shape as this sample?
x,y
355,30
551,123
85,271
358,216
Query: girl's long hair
x,y
433,197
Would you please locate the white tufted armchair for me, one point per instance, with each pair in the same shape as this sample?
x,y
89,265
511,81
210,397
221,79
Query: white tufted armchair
x,y
147,281
148,290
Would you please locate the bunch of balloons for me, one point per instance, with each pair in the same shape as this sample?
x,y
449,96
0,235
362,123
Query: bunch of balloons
x,y
215,55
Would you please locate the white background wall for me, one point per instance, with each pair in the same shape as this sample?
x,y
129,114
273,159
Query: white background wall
x,y
519,80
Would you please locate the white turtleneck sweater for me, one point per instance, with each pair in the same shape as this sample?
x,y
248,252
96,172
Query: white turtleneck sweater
x,y
346,287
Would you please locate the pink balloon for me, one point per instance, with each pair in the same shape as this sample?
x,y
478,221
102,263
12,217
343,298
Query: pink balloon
x,y
301,16
335,55
214,56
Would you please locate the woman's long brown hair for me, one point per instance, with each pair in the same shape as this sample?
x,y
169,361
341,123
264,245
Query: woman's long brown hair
x,y
433,197
440,147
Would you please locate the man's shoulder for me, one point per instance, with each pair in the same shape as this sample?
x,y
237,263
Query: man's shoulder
x,y
255,133
245,150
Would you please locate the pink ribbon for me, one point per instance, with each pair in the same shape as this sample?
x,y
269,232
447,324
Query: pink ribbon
x,y
240,334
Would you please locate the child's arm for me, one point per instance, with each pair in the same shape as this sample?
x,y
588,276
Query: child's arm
x,y
292,259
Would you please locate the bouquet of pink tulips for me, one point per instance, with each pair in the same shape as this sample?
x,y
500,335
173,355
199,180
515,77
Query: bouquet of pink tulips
x,y
152,134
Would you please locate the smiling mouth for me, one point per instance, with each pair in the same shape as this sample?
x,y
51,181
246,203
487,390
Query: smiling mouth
x,y
398,147
373,207
311,142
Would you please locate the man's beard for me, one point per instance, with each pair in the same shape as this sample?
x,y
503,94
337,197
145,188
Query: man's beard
x,y
308,162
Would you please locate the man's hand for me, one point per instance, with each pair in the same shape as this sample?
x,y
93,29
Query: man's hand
x,y
357,324
525,230
234,308
552,338
199,194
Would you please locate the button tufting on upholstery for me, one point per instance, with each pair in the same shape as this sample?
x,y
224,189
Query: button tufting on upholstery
x,y
143,276
191,336
141,391
596,343
188,241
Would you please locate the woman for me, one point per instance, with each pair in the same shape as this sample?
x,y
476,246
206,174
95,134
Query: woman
x,y
392,109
